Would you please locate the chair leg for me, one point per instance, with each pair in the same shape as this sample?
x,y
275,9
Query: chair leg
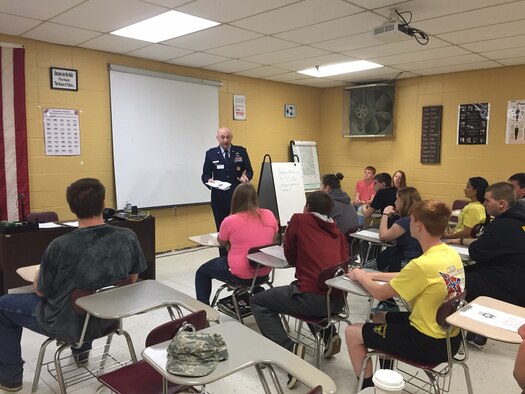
x,y
275,379
262,378
467,377
236,306
318,346
131,348
58,367
39,362
362,372
433,381
217,294
105,352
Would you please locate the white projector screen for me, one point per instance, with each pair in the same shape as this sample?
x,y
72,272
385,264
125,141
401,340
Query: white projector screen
x,y
162,125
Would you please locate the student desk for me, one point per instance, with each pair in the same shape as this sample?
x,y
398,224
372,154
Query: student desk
x,y
140,297
246,348
463,253
26,248
370,235
500,334
205,239
348,285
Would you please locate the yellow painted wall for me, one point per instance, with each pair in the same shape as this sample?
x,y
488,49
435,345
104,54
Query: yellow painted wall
x,y
445,181
265,130
319,117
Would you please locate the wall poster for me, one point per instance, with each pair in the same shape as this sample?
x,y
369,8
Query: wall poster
x,y
61,132
515,128
473,124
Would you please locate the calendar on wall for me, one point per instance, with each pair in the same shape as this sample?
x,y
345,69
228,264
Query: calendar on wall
x,y
61,132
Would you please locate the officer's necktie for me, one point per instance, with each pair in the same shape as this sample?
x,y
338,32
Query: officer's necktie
x,y
227,154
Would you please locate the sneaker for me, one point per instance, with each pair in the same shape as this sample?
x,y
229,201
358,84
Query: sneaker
x,y
299,350
333,346
385,307
477,340
11,387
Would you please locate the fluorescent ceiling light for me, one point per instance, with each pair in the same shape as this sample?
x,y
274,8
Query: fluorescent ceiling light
x,y
162,27
340,68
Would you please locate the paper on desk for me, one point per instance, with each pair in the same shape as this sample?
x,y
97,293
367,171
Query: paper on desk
x,y
50,225
219,185
492,317
368,233
275,251
28,273
71,224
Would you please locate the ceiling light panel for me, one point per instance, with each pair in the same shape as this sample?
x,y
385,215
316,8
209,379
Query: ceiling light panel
x,y
165,26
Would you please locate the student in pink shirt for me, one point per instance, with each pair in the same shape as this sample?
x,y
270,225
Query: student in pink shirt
x,y
364,188
247,226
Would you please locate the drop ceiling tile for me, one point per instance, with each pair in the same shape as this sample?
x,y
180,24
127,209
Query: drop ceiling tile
x,y
504,53
198,59
499,43
214,37
347,43
106,16
168,3
287,77
373,4
476,18
231,66
424,9
230,10
394,48
349,25
60,34
512,61
441,62
16,25
262,72
458,68
499,30
252,47
115,44
318,82
302,64
304,13
285,55
159,52
42,10
422,54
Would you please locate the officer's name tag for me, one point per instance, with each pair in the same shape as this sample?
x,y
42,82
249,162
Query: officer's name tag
x,y
220,166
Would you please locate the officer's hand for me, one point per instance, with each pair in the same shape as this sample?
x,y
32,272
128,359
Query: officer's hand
x,y
243,178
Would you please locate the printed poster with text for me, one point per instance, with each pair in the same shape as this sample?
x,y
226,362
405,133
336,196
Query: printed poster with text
x,y
515,130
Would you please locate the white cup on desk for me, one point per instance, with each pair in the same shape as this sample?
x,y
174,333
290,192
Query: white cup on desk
x,y
387,381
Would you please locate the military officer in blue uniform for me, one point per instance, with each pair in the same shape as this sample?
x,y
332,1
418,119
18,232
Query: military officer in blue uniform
x,y
226,163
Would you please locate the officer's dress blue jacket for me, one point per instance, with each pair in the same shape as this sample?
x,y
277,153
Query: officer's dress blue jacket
x,y
220,169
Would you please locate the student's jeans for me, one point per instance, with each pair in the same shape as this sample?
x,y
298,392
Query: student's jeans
x,y
16,312
218,268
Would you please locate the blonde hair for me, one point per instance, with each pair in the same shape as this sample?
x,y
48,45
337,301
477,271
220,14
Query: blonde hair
x,y
408,196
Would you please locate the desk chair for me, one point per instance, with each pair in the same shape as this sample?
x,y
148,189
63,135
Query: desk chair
x,y
354,246
42,217
457,204
140,377
316,341
77,371
242,292
437,377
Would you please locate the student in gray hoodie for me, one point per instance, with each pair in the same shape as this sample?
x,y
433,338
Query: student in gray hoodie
x,y
343,213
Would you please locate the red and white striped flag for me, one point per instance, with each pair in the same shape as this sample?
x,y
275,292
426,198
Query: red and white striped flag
x,y
14,178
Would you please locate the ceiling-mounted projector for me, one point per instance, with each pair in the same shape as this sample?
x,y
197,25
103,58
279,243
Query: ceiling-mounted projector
x,y
391,31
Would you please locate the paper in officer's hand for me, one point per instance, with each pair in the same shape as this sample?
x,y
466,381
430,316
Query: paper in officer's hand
x,y
219,184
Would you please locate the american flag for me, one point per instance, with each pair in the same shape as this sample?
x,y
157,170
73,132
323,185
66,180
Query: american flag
x,y
14,178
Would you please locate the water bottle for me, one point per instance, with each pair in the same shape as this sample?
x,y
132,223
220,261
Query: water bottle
x,y
127,208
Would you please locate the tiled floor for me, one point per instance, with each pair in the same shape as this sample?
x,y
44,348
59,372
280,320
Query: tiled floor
x,y
491,368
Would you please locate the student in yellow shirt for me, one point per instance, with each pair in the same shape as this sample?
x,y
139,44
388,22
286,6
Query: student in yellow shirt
x,y
425,283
